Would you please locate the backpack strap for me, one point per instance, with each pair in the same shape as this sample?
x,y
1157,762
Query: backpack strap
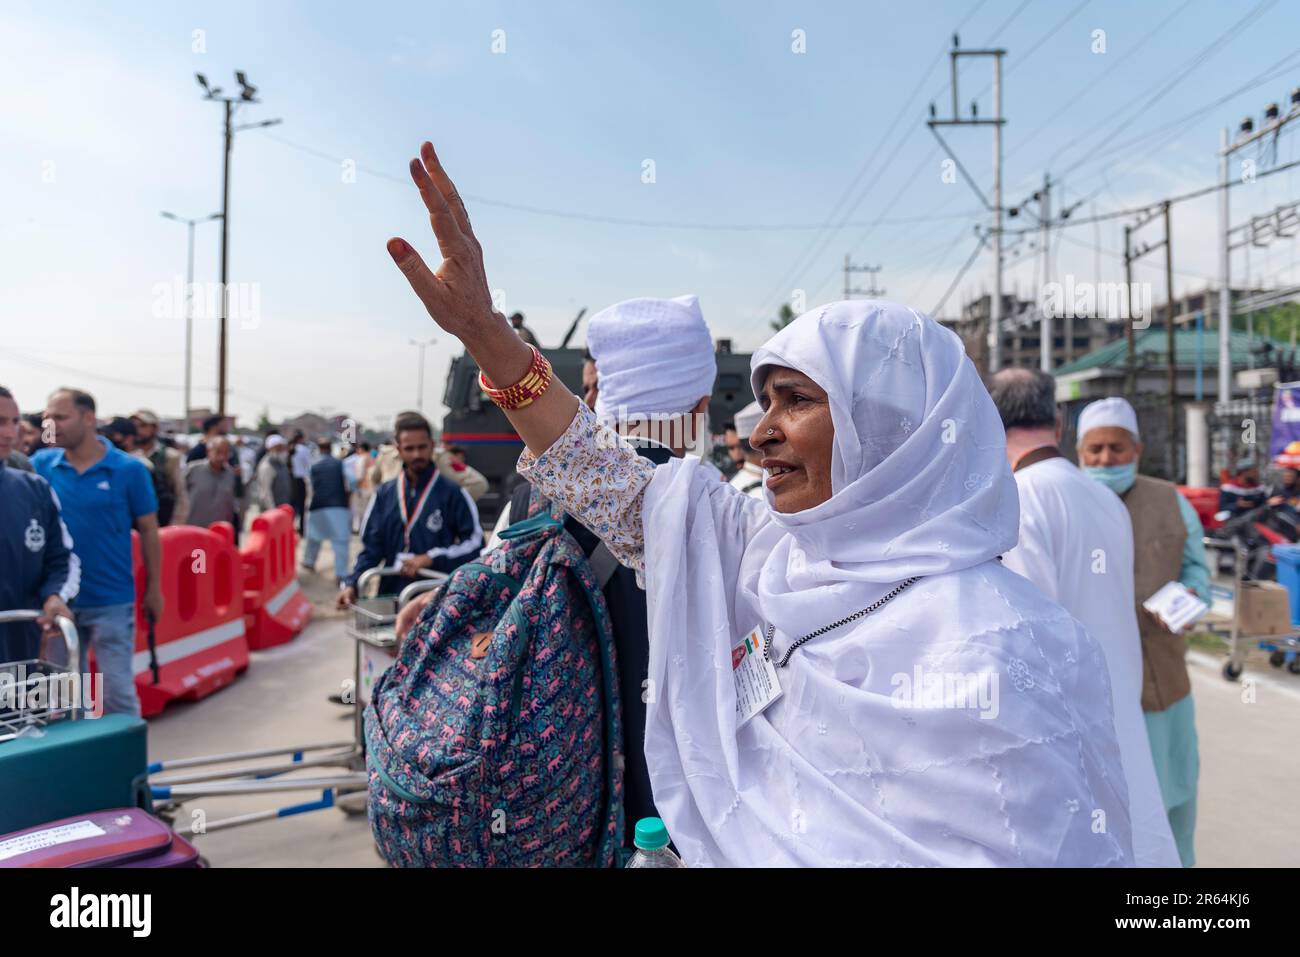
x,y
609,844
603,564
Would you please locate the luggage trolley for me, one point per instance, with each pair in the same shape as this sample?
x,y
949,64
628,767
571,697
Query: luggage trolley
x,y
38,678
373,628
1283,648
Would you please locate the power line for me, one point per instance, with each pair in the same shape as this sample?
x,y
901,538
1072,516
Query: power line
x,y
814,249
1217,44
1270,73
1146,207
974,254
588,217
1110,68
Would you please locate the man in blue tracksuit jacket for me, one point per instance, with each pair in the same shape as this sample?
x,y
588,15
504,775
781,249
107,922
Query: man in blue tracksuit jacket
x,y
38,570
417,520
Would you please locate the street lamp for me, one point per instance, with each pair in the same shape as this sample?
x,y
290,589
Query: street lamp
x,y
247,94
422,344
189,300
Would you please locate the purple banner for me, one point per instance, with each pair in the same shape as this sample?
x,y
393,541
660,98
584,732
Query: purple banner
x,y
1286,417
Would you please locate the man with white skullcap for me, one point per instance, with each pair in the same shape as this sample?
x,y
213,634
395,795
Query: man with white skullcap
x,y
750,477
1076,545
656,368
1167,547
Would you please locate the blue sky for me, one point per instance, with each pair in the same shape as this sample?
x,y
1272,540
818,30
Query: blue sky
x,y
105,126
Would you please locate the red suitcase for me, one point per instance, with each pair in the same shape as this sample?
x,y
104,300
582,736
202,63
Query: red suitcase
x,y
119,837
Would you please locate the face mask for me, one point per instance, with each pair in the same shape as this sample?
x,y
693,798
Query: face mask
x,y
1118,478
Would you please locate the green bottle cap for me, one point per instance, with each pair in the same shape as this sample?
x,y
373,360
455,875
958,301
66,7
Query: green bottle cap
x,y
651,834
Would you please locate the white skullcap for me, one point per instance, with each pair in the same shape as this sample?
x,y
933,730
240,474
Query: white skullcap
x,y
746,419
274,442
653,356
1114,411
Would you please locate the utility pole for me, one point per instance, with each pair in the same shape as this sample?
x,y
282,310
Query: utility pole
x,y
189,301
997,121
1169,339
1247,134
1047,334
422,344
850,291
1130,378
1130,256
248,94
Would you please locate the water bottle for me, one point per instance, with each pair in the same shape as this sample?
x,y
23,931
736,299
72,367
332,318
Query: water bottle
x,y
652,850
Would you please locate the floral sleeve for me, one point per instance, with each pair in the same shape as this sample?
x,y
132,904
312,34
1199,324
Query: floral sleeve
x,y
599,479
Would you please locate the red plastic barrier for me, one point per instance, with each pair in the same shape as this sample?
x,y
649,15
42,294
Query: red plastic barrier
x,y
199,641
275,609
1206,503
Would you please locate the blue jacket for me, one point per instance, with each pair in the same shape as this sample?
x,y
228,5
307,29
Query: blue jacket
x,y
36,558
447,529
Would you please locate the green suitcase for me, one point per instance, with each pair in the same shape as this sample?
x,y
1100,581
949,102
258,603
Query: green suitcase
x,y
73,768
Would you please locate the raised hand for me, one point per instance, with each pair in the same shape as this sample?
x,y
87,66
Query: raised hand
x,y
456,293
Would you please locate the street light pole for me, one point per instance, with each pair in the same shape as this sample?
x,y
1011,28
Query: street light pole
x,y
189,303
422,344
248,94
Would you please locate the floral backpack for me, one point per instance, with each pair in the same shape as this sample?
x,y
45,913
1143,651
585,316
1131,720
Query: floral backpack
x,y
494,739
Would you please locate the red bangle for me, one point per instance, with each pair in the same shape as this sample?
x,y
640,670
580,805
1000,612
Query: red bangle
x,y
524,392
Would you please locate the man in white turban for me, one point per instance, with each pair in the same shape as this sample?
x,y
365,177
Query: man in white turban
x,y
1167,546
1076,545
750,477
656,368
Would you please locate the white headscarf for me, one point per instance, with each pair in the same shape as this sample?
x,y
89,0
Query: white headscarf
x,y
838,770
653,356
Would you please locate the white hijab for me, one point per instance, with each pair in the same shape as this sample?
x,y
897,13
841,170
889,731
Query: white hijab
x,y
840,769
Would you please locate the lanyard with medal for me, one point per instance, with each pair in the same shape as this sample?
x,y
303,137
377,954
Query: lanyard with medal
x,y
757,685
408,522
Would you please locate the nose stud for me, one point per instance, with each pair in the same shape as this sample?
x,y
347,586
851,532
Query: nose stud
x,y
770,431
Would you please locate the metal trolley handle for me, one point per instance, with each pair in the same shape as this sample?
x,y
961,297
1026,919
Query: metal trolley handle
x,y
432,580
71,642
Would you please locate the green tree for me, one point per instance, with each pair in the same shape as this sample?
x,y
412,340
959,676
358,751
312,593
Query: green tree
x,y
783,318
264,420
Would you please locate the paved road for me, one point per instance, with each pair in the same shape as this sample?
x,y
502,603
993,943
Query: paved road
x,y
1250,765
1250,774
280,701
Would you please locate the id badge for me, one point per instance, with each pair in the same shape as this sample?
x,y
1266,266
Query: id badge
x,y
756,682
404,556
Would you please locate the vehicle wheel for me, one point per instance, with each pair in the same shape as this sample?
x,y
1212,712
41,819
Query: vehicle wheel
x,y
1293,666
1230,671
1277,659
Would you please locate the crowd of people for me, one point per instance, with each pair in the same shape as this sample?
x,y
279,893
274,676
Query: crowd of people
x,y
894,522
74,491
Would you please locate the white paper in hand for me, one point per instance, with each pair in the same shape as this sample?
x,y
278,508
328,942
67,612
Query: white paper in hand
x,y
1176,605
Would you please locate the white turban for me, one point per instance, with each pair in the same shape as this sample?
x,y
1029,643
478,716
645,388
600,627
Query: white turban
x,y
653,356
1114,411
746,419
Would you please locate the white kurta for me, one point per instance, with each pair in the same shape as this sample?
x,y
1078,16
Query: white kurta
x,y
1076,545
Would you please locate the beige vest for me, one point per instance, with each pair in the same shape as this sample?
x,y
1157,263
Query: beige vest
x,y
1158,539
